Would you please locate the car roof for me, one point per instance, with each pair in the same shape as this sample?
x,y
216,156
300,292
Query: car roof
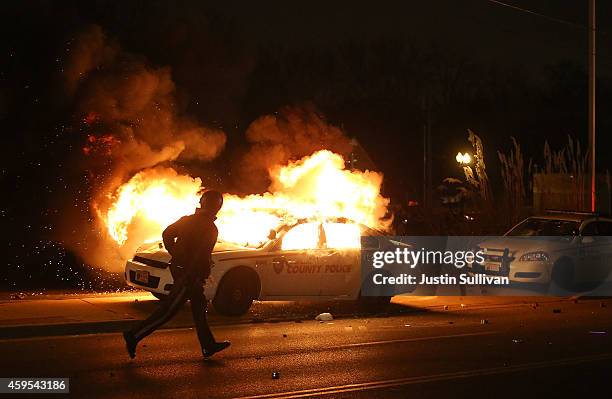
x,y
571,217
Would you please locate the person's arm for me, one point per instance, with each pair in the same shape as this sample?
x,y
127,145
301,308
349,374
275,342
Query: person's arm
x,y
169,235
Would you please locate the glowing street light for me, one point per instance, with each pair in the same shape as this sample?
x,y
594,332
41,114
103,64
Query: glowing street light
x,y
463,159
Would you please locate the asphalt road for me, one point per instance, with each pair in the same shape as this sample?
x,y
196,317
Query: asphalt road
x,y
519,350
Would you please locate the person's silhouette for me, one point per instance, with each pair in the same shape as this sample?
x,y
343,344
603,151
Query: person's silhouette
x,y
190,241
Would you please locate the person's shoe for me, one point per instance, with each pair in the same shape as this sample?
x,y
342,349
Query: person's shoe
x,y
130,343
214,348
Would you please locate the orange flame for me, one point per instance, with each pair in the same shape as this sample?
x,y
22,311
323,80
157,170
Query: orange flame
x,y
317,187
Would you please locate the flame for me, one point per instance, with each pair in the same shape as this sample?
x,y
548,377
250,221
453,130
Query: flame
x,y
317,187
149,202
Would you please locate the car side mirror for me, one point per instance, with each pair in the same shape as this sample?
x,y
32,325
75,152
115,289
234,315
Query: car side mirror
x,y
272,234
587,240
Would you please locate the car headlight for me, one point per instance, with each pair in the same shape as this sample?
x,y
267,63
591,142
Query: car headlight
x,y
538,256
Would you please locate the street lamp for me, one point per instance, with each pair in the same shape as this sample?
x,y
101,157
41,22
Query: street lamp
x,y
463,159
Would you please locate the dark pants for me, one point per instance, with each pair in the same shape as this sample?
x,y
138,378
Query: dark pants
x,y
184,288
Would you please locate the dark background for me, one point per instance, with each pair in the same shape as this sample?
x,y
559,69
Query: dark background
x,y
368,67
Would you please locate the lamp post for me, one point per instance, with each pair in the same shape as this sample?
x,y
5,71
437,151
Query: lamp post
x,y
591,123
463,159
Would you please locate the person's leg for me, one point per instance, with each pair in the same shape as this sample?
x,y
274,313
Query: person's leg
x,y
166,310
199,304
198,310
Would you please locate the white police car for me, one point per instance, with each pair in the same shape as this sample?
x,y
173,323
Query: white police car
x,y
567,249
308,260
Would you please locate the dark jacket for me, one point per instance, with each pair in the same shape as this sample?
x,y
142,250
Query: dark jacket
x,y
190,241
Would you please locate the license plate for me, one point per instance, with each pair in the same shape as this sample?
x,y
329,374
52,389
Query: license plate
x,y
142,276
492,267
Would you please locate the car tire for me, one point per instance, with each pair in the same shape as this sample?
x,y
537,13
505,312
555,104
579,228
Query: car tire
x,y
562,277
161,297
235,294
373,303
376,301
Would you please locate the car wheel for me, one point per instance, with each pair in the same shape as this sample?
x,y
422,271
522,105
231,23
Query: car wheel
x,y
235,293
375,300
373,303
562,277
161,297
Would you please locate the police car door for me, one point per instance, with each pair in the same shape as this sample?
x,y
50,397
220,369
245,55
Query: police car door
x,y
595,250
340,259
293,270
590,255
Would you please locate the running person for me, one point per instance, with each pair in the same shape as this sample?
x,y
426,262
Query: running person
x,y
190,241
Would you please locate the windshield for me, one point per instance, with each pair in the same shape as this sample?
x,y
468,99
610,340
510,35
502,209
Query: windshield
x,y
545,227
222,246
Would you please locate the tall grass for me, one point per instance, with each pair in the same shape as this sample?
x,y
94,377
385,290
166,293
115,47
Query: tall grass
x,y
516,179
572,162
481,179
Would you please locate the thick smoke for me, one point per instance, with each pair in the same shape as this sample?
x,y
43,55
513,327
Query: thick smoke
x,y
131,128
290,134
119,95
129,120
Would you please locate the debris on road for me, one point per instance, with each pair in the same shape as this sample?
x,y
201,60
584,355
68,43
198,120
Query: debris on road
x,y
534,305
484,321
517,341
284,335
445,307
556,310
275,375
407,325
324,317
602,304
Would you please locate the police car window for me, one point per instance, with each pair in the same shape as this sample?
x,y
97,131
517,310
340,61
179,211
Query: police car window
x,y
597,229
604,228
342,235
302,236
590,230
545,227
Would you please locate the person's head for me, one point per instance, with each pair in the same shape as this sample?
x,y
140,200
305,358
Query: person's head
x,y
211,201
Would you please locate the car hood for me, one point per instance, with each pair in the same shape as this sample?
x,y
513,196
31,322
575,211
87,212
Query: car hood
x,y
156,251
524,244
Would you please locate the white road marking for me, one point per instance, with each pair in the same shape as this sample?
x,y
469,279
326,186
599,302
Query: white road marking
x,y
415,339
429,378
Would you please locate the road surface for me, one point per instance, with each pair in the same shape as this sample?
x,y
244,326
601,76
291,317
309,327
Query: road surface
x,y
558,349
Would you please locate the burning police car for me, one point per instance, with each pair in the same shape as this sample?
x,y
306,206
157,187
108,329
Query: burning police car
x,y
307,260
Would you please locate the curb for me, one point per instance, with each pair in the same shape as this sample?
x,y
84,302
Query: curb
x,y
54,330
114,326
42,330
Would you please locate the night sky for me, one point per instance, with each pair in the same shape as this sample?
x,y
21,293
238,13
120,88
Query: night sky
x,y
365,67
